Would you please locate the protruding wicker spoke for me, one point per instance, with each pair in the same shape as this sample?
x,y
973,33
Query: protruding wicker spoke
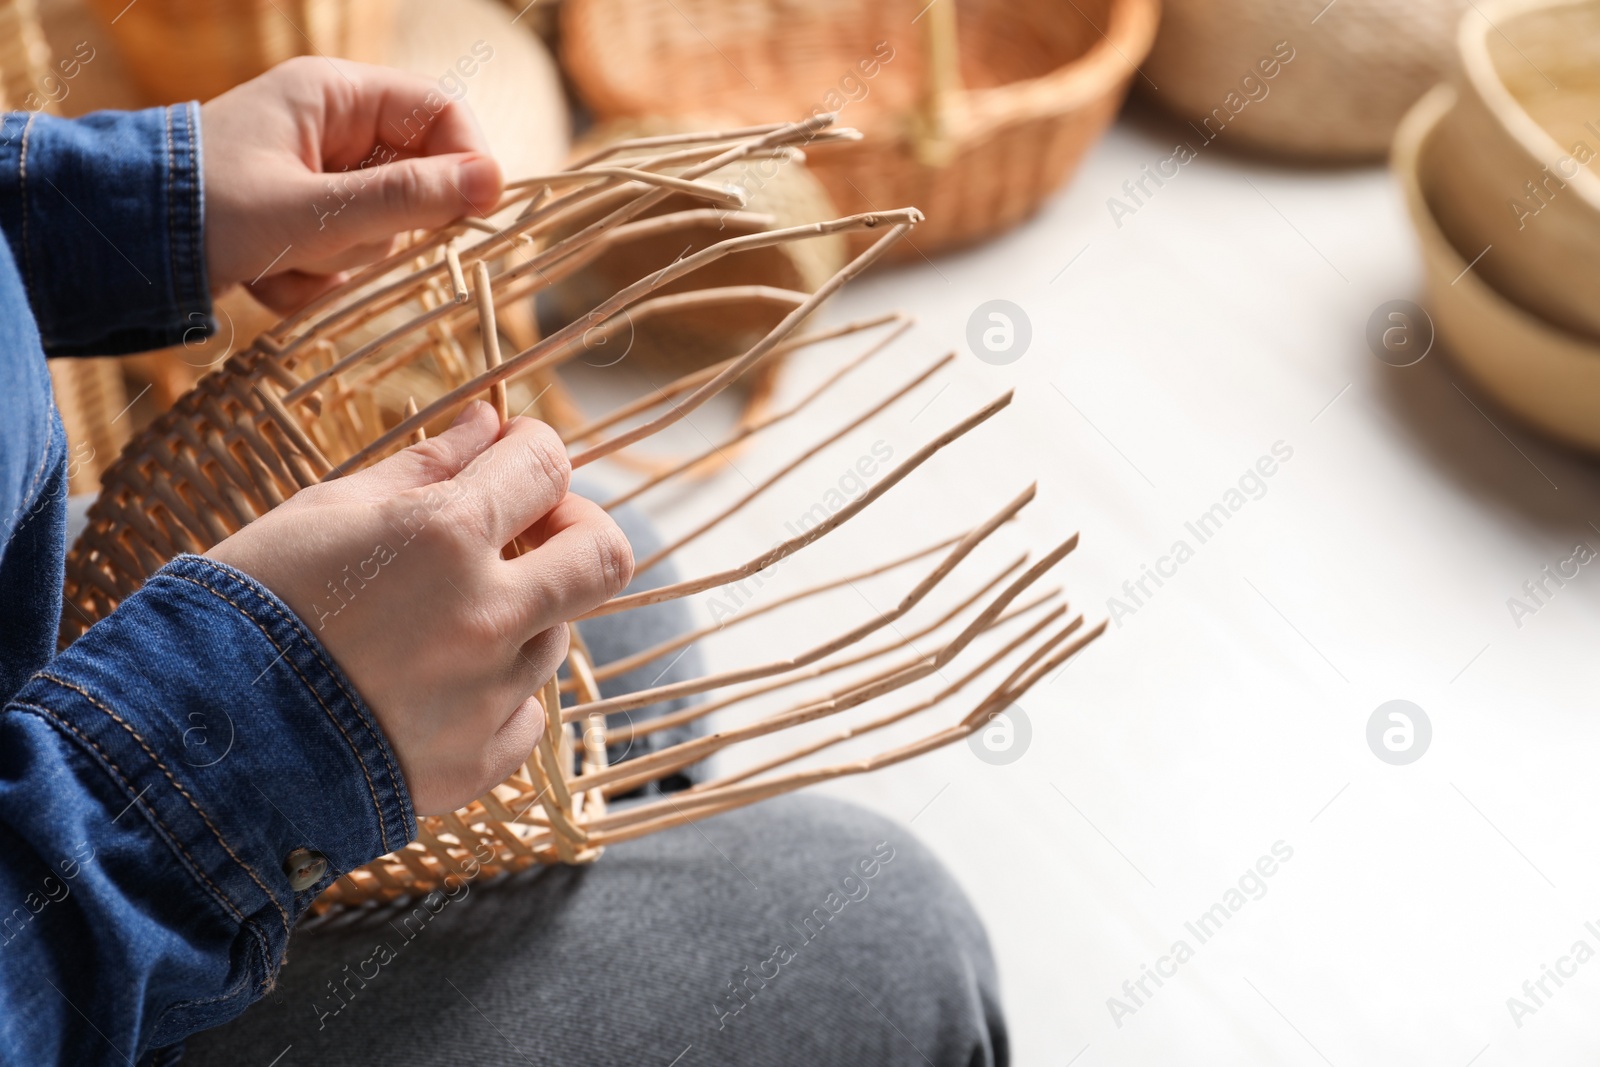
x,y
756,427
675,757
861,729
762,348
736,135
842,696
679,386
640,727
788,548
641,819
726,195
552,348
850,637
794,464
699,685
617,667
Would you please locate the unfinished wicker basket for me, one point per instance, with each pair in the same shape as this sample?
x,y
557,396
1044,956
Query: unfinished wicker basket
x,y
294,410
975,110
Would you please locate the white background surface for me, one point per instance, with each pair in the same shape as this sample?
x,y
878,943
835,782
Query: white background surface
x,y
1229,712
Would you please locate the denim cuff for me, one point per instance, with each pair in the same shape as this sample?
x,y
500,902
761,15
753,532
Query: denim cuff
x,y
105,215
235,735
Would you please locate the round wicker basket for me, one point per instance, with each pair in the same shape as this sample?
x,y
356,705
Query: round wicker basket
x,y
1357,66
194,49
975,111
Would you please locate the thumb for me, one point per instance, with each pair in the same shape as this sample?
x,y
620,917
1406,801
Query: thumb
x,y
421,193
437,459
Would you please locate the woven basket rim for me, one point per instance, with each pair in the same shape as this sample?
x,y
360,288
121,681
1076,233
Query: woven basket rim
x,y
1483,79
1555,346
1125,41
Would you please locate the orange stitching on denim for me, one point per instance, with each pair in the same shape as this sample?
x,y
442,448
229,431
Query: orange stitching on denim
x,y
176,785
117,771
172,245
380,743
372,790
196,221
22,189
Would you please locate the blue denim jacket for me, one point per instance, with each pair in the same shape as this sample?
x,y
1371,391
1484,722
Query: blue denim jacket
x,y
157,776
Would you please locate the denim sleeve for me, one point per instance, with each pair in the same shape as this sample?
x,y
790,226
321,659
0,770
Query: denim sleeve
x,y
105,217
175,788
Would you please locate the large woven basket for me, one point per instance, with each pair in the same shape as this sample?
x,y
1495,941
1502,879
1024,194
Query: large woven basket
x,y
1357,66
195,49
974,110
297,408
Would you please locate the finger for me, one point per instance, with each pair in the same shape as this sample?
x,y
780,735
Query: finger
x,y
292,290
542,656
349,258
514,742
513,484
422,193
439,458
410,114
584,561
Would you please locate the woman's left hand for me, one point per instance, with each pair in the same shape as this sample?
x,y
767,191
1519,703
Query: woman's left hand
x,y
314,167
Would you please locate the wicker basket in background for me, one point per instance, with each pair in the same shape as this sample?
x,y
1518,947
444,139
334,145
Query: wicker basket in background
x,y
194,49
89,393
975,110
1357,66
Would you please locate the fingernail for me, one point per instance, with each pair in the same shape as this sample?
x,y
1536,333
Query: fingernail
x,y
478,178
468,413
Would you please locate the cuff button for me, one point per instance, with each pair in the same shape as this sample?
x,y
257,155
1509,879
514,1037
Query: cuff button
x,y
305,868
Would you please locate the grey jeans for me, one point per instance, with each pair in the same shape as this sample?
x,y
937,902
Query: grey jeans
x,y
801,931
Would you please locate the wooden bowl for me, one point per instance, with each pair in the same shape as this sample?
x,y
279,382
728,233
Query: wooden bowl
x,y
1527,115
975,111
1356,66
1548,377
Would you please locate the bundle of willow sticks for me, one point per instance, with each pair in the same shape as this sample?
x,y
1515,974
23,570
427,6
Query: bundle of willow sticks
x,y
299,406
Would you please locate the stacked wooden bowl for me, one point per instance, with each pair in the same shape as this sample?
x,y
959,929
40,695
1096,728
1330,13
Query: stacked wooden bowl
x,y
1502,177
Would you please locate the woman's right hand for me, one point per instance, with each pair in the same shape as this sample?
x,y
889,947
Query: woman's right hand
x,y
398,570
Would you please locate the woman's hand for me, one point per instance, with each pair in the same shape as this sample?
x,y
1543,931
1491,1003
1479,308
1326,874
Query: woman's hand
x,y
315,166
398,570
